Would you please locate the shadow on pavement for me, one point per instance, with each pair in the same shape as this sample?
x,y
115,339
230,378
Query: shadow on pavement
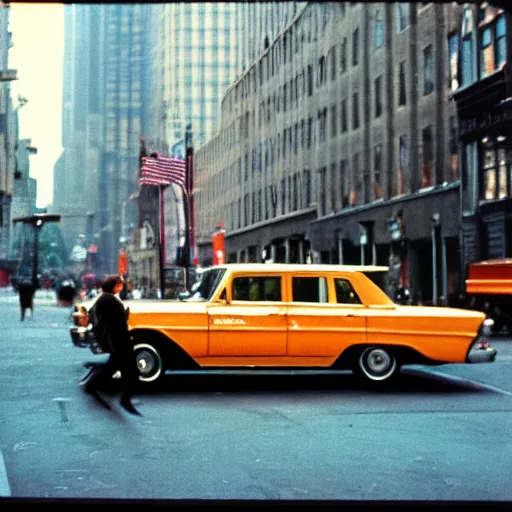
x,y
419,382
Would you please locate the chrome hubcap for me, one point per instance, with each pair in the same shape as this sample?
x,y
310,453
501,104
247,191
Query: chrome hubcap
x,y
146,362
377,364
378,361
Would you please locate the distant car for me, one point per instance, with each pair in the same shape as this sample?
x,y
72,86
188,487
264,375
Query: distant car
x,y
295,316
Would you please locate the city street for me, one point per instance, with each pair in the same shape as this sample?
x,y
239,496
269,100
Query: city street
x,y
439,433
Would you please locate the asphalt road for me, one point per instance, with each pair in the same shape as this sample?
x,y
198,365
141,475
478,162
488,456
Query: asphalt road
x,y
437,434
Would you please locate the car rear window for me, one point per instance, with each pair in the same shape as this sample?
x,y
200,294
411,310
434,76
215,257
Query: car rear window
x,y
345,293
309,289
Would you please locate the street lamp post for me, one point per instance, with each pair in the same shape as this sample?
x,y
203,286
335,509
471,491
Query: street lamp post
x,y
38,221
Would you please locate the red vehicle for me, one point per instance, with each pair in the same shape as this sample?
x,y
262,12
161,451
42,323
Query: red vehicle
x,y
489,289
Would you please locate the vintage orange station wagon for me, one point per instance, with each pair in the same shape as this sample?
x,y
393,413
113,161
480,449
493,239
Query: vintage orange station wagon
x,y
294,316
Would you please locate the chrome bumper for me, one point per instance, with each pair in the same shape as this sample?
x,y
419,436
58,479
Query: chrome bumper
x,y
482,355
480,350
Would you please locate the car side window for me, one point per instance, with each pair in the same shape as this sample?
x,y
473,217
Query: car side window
x,y
258,288
309,289
345,293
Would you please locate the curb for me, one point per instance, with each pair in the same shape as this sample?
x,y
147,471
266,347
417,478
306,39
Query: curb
x,y
5,489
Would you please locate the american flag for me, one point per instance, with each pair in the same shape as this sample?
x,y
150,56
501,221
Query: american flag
x,y
162,170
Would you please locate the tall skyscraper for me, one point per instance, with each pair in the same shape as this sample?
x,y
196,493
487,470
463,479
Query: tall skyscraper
x,y
104,70
196,60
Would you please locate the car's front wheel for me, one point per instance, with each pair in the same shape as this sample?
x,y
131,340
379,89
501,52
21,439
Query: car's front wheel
x,y
377,364
150,363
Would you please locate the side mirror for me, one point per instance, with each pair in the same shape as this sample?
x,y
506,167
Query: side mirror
x,y
183,295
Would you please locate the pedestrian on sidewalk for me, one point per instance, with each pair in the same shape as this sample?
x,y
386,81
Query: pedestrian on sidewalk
x,y
26,292
110,325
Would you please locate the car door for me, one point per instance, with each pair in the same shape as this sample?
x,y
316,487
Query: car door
x,y
324,317
252,324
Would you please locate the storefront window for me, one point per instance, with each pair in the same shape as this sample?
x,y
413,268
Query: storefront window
x,y
490,175
502,174
495,167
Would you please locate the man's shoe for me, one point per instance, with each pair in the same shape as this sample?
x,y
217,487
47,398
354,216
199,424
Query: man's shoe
x,y
126,404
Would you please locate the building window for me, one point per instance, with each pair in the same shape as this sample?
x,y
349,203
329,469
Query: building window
x,y
428,71
322,199
453,56
402,164
344,122
486,53
260,205
357,192
344,189
310,80
402,96
333,63
343,55
295,203
322,120
377,171
493,47
290,194
334,121
246,210
366,187
378,96
501,41
402,17
321,71
428,157
307,187
355,111
454,148
495,174
468,49
283,196
333,187
355,47
379,30
310,132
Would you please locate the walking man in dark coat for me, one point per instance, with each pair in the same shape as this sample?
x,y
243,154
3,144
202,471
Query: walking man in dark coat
x,y
110,326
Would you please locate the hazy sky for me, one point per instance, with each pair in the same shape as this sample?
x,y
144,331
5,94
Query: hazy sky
x,y
38,37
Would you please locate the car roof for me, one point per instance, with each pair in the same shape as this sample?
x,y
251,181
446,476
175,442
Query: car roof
x,y
300,267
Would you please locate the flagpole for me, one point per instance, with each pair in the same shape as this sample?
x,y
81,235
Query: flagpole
x,y
161,239
189,192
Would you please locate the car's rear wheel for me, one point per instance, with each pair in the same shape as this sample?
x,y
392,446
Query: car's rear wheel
x,y
150,362
377,364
